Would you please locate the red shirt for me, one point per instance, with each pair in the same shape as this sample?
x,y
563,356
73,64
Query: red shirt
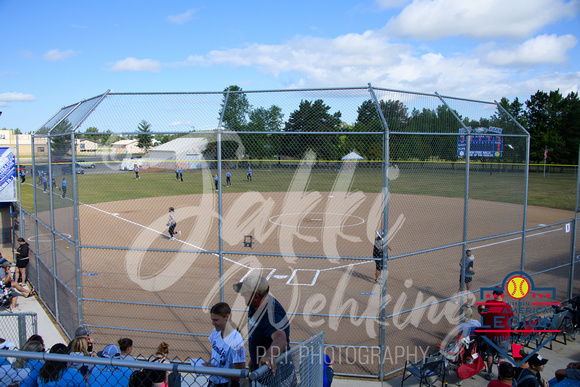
x,y
496,317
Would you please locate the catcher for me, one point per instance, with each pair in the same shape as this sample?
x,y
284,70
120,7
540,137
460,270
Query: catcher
x,y
378,253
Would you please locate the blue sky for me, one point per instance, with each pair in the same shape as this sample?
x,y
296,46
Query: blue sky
x,y
57,53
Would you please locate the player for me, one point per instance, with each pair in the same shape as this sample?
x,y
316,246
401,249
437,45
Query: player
x,y
249,174
177,174
63,184
136,170
468,272
171,223
228,182
216,181
378,253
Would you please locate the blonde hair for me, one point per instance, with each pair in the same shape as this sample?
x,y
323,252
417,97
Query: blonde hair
x,y
80,344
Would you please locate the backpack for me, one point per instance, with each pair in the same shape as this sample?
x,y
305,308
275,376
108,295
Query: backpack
x,y
515,382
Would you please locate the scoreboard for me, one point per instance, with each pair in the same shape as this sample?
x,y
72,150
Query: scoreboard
x,y
481,144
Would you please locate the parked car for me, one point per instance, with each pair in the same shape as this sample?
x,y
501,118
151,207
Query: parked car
x,y
86,163
67,169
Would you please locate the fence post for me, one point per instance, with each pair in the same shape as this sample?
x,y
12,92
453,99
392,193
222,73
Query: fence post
x,y
174,379
574,230
21,330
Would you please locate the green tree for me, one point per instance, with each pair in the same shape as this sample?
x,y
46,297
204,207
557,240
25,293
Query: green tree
x,y
237,108
545,124
144,140
312,117
92,137
17,131
263,120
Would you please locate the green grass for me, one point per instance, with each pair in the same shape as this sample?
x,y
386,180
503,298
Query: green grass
x,y
554,191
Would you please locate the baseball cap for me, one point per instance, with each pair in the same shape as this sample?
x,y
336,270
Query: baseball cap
x,y
252,284
82,331
6,264
110,352
537,360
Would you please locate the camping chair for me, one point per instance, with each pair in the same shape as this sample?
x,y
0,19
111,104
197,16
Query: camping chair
x,y
428,370
557,323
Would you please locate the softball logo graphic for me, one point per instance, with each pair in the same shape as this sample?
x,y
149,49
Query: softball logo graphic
x,y
518,287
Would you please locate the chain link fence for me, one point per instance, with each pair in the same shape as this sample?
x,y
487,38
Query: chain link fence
x,y
291,185
17,327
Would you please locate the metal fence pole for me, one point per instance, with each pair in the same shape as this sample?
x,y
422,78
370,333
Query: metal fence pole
x,y
35,206
52,230
383,302
574,230
525,220
219,193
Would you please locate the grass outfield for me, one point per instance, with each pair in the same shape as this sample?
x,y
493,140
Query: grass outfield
x,y
557,191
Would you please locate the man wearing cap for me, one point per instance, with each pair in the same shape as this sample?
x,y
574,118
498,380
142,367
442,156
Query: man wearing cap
x,y
531,377
572,371
109,375
496,315
268,325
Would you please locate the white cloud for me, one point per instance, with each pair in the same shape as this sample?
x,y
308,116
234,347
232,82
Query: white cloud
x,y
435,19
133,64
16,97
59,56
182,18
541,49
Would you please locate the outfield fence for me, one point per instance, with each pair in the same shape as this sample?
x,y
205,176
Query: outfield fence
x,y
314,175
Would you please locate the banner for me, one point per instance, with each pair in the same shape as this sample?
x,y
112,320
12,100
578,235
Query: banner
x,y
8,179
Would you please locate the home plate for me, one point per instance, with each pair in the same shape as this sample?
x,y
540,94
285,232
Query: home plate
x,y
280,276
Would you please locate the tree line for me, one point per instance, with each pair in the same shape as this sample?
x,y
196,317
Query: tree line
x,y
551,119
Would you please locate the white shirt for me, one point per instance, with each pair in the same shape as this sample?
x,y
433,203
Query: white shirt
x,y
226,352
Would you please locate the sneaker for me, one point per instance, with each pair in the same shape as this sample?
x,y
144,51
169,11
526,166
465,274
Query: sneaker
x,y
179,233
488,376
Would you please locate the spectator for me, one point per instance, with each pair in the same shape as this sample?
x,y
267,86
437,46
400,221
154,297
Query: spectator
x,y
159,378
572,371
522,355
9,375
86,333
22,259
5,345
140,379
496,316
56,374
79,347
227,345
108,375
505,375
33,344
126,347
268,325
531,377
8,286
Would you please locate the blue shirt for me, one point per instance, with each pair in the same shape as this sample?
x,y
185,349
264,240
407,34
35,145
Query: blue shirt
x,y
180,170
34,366
63,183
249,171
262,324
109,376
228,174
70,378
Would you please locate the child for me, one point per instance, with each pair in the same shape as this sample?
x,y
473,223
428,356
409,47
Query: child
x,y
227,345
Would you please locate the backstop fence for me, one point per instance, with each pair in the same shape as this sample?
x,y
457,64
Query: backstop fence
x,y
295,185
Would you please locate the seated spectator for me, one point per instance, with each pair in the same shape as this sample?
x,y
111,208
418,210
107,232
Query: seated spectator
x,y
33,344
126,347
140,378
79,347
572,371
159,378
8,287
531,377
109,375
10,376
57,374
5,345
86,333
505,375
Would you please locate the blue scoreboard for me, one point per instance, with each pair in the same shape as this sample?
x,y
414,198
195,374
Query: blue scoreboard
x,y
484,142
